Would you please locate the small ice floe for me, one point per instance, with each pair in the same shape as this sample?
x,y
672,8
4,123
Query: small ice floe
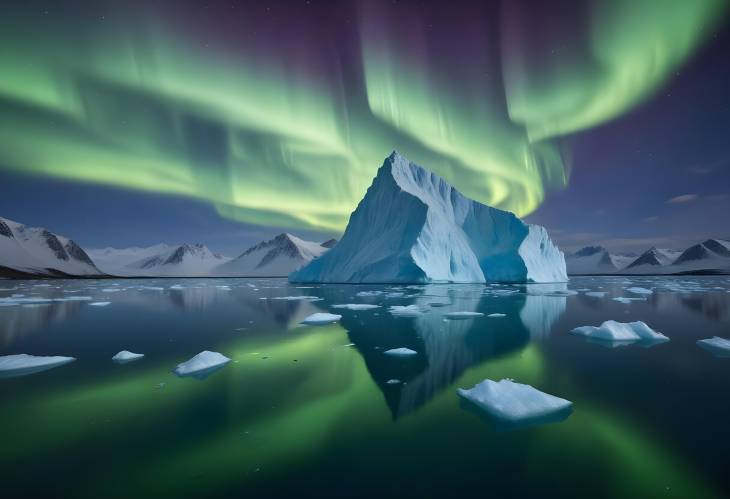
x,y
405,310
394,294
596,294
621,332
393,382
639,291
202,365
495,315
356,306
100,304
152,288
126,356
513,405
370,293
111,290
623,299
400,352
321,318
463,315
24,364
293,298
177,286
719,347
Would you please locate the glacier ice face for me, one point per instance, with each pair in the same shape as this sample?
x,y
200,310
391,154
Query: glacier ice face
x,y
514,402
202,365
23,364
621,332
413,227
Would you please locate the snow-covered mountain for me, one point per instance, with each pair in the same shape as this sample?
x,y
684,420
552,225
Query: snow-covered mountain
x,y
37,251
186,260
412,226
713,254
652,259
277,257
595,260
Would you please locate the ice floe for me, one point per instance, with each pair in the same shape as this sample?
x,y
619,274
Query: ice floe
x,y
393,382
463,315
639,291
100,304
126,356
356,306
321,318
202,365
24,364
496,315
400,352
614,331
405,310
515,403
596,294
719,347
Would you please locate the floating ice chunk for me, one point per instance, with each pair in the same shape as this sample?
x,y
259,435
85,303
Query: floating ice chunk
x,y
356,306
395,294
117,290
24,364
639,291
370,293
462,315
623,299
393,382
293,298
497,315
596,294
719,347
100,304
621,331
516,403
321,318
202,365
405,310
400,352
126,356
177,286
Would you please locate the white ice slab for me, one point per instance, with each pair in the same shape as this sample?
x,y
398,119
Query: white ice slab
x,y
126,356
100,304
495,315
621,331
400,352
716,345
203,363
24,364
513,402
639,291
321,318
405,310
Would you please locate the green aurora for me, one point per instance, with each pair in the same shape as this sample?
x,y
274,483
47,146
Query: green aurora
x,y
278,134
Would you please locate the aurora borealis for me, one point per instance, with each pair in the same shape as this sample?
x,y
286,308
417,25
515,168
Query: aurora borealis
x,y
279,113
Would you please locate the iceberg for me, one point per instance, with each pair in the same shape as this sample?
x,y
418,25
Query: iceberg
x,y
515,403
720,347
321,318
126,356
438,235
400,352
621,332
202,365
23,364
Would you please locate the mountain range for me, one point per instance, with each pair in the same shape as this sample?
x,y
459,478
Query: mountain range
x,y
710,256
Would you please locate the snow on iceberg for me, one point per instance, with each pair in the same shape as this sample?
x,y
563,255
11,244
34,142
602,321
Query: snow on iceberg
x,y
23,364
621,332
126,356
321,318
202,365
515,403
439,235
400,352
719,347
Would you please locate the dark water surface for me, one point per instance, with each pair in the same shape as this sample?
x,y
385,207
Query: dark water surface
x,y
307,411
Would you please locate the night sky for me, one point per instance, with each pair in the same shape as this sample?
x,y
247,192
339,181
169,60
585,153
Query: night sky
x,y
133,123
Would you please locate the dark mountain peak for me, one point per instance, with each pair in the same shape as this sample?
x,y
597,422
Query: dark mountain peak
x,y
693,253
5,229
55,245
283,241
77,253
329,243
717,246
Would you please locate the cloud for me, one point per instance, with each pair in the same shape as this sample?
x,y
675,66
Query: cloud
x,y
684,198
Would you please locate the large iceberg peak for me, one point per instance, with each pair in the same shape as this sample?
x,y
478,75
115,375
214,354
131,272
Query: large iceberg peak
x,y
413,226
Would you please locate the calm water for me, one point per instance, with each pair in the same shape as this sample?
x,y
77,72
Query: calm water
x,y
306,410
